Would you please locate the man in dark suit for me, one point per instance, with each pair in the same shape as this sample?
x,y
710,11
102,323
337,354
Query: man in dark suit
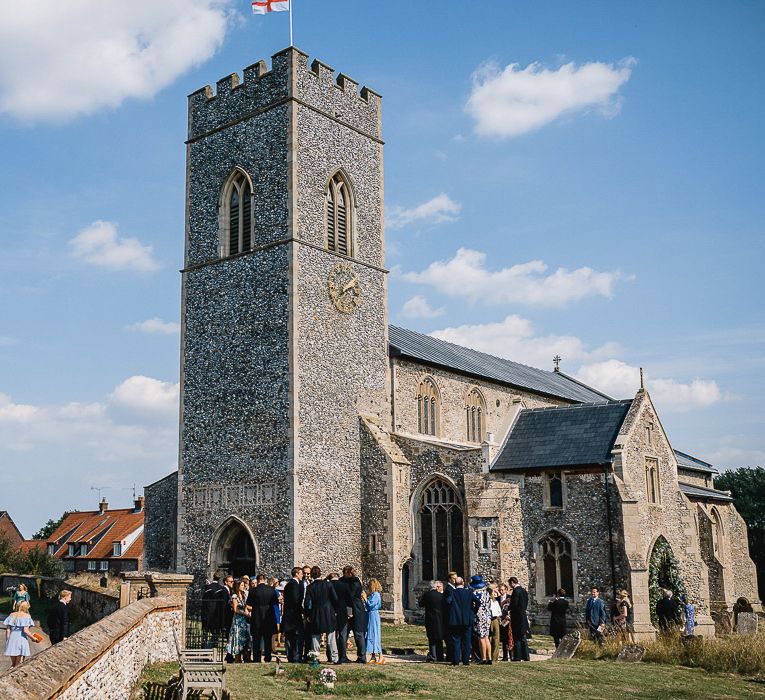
x,y
304,634
262,601
668,611
292,617
215,600
433,602
359,614
519,620
343,591
321,604
58,618
462,608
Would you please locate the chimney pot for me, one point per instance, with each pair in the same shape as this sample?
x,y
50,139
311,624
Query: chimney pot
x,y
103,506
139,504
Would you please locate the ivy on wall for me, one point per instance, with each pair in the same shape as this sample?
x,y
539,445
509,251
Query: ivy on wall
x,y
663,572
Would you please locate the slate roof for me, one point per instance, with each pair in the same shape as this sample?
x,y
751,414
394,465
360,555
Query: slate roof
x,y
562,436
686,461
432,351
702,492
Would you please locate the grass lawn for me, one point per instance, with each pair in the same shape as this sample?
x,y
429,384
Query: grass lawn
x,y
544,679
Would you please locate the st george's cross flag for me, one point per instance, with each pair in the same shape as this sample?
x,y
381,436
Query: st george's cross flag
x,y
260,7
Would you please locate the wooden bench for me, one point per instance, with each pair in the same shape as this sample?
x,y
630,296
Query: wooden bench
x,y
200,670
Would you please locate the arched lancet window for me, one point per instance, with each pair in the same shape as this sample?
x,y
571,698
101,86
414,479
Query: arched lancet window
x,y
558,568
717,532
441,531
475,415
339,205
427,407
237,215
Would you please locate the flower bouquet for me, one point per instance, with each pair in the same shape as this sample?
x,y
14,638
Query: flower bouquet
x,y
313,658
327,677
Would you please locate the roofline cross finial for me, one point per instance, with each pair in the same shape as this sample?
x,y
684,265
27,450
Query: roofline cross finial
x,y
557,360
642,386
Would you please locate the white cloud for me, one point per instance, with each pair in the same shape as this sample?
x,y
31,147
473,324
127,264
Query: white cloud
x,y
731,454
620,380
154,325
465,275
7,341
63,59
515,338
144,395
418,307
99,245
16,412
513,101
441,209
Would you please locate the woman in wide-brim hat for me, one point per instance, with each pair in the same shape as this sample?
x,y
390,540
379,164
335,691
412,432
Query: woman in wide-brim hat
x,y
482,625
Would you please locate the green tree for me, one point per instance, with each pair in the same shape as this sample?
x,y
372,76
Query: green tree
x,y
747,486
49,528
38,563
10,557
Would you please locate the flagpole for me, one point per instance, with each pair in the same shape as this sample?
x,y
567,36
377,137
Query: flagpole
x,y
291,44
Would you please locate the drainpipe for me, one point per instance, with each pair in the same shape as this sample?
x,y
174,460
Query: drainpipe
x,y
610,527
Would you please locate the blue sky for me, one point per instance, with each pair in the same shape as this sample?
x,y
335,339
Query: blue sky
x,y
574,178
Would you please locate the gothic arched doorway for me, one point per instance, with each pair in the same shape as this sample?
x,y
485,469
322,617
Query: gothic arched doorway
x,y
233,549
441,531
663,573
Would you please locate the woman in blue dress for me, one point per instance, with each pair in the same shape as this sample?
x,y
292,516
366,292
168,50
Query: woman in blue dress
x,y
17,634
239,635
373,605
690,615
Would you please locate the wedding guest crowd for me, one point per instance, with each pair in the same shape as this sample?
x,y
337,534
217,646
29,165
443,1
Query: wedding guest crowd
x,y
464,623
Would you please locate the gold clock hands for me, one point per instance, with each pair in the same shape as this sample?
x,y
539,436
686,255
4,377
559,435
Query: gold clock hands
x,y
352,283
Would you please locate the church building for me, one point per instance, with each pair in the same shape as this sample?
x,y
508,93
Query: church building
x,y
313,432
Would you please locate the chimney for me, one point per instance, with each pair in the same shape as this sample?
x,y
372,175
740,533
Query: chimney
x,y
103,506
139,504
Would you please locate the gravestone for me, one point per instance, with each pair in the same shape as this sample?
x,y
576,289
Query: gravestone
x,y
746,623
568,646
631,653
723,624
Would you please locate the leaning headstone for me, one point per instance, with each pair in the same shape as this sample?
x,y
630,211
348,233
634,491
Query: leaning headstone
x,y
568,646
723,623
631,653
746,623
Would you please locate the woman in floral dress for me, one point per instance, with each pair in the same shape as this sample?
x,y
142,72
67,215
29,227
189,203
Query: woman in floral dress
x,y
239,636
482,625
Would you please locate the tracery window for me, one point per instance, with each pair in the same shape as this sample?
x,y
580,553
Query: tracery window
x,y
555,553
339,207
475,416
652,480
237,215
427,407
441,531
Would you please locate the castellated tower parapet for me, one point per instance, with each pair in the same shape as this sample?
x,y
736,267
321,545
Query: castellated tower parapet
x,y
290,77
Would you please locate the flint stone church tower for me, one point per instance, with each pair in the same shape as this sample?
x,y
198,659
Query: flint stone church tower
x,y
311,432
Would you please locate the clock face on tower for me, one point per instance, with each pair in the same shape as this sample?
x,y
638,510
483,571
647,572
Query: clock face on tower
x,y
344,288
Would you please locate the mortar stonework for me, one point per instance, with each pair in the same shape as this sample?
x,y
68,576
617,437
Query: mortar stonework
x,y
299,429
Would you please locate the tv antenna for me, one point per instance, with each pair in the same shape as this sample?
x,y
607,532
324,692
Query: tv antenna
x,y
99,489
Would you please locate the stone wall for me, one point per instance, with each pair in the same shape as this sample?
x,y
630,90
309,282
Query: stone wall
x,y
160,519
742,571
90,604
672,516
104,660
453,390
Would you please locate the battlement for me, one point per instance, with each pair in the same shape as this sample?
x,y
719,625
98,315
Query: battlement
x,y
290,76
